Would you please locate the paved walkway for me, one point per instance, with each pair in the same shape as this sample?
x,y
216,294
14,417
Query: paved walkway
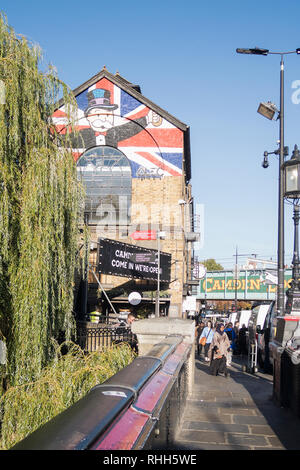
x,y
236,413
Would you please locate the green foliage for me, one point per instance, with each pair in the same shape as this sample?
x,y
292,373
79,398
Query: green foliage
x,y
39,200
212,265
67,379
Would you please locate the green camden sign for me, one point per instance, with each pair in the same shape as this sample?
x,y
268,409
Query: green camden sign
x,y
249,285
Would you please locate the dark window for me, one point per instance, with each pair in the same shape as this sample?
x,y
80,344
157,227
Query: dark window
x,y
106,175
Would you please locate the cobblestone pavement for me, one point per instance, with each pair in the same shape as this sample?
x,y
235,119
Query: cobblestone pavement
x,y
236,413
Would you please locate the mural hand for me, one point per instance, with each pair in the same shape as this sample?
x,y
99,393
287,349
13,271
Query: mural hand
x,y
155,119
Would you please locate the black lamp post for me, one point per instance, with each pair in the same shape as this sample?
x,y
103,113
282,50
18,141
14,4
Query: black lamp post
x,y
268,110
291,169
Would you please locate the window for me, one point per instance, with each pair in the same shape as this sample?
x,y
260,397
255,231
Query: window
x,y
106,175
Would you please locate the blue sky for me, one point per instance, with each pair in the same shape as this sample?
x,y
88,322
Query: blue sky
x,y
182,54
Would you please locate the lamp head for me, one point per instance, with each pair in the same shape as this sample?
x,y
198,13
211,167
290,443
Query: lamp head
x,y
267,110
265,163
291,170
254,51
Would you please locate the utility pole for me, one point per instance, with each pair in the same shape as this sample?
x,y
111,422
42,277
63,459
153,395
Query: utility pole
x,y
236,272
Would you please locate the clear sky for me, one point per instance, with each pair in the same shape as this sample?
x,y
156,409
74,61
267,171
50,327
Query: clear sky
x,y
182,54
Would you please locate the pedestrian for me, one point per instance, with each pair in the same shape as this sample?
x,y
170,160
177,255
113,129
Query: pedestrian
x,y
206,338
200,328
229,330
218,350
130,319
94,316
242,340
125,328
236,339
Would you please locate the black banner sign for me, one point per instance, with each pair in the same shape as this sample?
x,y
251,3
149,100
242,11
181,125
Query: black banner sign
x,y
122,259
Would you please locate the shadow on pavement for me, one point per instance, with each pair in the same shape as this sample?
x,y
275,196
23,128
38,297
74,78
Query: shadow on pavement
x,y
259,388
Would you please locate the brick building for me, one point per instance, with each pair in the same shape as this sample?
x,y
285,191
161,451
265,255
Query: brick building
x,y
134,160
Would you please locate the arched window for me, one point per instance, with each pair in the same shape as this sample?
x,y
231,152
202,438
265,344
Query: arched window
x,y
106,175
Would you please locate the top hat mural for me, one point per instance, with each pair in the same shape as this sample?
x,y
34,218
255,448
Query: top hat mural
x,y
99,98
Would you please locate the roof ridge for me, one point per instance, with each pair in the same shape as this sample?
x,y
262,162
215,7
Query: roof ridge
x,y
129,88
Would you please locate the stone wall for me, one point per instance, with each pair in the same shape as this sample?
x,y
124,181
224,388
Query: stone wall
x,y
153,331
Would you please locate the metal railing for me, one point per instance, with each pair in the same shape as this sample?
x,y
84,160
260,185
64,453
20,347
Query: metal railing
x,y
94,337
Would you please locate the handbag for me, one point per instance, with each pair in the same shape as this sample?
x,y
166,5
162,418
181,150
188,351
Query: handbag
x,y
203,339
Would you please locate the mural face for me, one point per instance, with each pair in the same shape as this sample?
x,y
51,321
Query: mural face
x,y
109,116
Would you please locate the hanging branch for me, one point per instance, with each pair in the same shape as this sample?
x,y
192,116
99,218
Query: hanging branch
x,y
39,209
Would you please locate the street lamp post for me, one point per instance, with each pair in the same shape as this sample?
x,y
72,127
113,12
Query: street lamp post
x,y
291,169
281,152
159,235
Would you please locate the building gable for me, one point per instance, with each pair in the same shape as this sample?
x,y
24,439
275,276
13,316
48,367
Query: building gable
x,y
156,143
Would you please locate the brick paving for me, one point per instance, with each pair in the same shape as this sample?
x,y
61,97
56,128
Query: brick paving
x,y
235,413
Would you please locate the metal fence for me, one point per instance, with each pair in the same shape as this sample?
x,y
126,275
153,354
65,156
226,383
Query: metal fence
x,y
91,337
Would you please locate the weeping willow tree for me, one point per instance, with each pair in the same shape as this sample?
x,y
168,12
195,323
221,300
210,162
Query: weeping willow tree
x,y
39,200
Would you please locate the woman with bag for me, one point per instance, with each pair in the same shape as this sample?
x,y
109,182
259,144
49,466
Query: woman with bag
x,y
219,348
206,338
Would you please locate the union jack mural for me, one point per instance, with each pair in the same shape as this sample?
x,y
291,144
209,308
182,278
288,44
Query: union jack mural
x,y
108,115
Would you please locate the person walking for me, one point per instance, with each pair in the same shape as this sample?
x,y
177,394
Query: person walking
x,y
218,350
207,333
236,339
124,330
229,330
243,340
200,346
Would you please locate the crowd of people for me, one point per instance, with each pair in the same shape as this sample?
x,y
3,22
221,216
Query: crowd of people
x,y
219,342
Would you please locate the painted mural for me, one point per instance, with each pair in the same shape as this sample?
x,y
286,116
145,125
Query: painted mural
x,y
107,115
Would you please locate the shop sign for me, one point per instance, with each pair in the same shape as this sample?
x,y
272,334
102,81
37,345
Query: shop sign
x,y
120,259
254,283
144,235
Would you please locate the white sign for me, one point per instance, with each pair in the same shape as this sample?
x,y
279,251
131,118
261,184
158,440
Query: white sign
x,y
199,271
271,279
189,303
134,298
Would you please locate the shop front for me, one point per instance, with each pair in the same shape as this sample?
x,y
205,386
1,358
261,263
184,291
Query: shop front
x,y
139,266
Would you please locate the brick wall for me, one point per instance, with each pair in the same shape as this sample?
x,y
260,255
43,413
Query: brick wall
x,y
154,206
